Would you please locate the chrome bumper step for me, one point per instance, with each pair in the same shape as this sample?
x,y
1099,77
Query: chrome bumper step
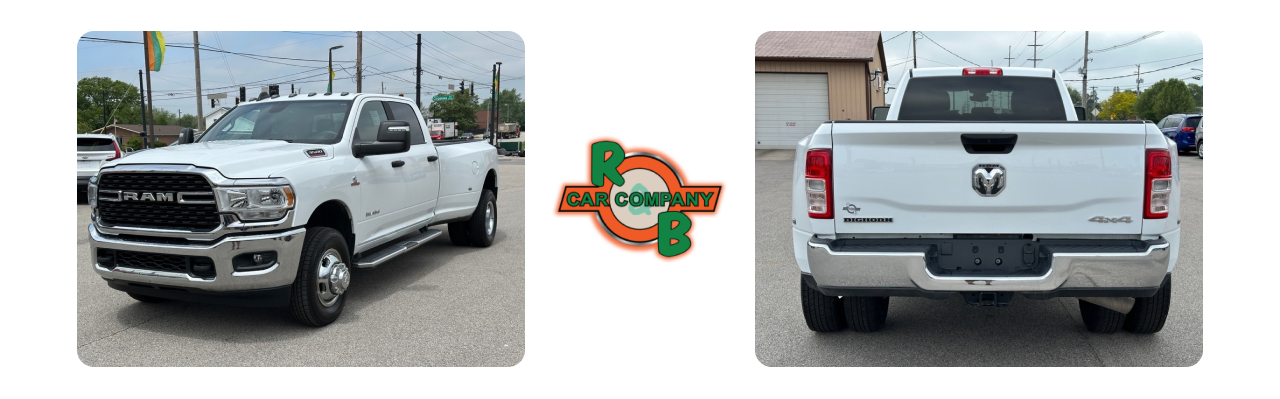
x,y
396,248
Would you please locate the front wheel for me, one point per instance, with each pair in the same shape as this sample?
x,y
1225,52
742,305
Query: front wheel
x,y
1200,149
318,294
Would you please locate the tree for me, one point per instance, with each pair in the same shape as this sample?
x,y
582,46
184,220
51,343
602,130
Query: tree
x,y
511,106
1168,96
164,117
1197,92
461,109
1120,105
101,100
187,120
133,142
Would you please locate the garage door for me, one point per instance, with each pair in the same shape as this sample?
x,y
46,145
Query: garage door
x,y
789,106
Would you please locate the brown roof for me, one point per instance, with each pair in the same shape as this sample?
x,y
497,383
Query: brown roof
x,y
157,130
818,45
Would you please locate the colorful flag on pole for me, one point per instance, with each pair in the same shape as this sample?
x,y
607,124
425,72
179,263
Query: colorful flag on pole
x,y
155,50
330,90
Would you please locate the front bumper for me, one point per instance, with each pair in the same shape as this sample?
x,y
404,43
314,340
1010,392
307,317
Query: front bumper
x,y
1138,273
287,245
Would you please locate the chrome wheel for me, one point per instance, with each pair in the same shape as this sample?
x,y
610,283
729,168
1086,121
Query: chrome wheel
x,y
490,219
332,277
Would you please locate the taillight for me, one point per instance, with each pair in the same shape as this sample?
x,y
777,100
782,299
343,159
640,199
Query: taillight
x,y
1188,129
1159,184
983,71
817,183
117,146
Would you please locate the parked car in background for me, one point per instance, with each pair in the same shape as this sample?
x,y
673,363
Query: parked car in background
x,y
1200,139
1182,129
467,136
92,151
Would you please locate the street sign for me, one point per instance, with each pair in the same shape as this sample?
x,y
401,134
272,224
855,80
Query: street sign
x,y
442,97
217,95
1095,112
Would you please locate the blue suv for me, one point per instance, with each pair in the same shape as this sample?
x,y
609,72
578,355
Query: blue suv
x,y
1182,129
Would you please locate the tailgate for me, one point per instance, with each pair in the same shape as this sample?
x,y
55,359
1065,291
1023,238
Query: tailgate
x,y
1057,177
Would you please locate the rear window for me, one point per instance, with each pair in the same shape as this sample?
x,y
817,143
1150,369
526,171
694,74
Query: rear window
x,y
1192,122
94,144
982,98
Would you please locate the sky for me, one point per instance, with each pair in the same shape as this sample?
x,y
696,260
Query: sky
x,y
1059,50
388,58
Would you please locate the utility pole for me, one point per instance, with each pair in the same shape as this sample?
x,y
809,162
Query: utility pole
x,y
1035,47
384,87
142,99
1139,80
913,50
493,99
1010,57
146,64
417,73
1084,78
359,65
195,36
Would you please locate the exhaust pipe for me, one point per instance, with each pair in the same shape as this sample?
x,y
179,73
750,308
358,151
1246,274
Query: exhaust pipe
x,y
1119,304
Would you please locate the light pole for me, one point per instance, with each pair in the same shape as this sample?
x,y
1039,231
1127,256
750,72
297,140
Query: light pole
x,y
330,91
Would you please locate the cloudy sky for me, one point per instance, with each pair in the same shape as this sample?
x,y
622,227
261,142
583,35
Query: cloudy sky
x,y
1060,50
447,58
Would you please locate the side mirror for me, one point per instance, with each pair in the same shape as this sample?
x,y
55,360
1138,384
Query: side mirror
x,y
879,113
186,136
1080,113
393,137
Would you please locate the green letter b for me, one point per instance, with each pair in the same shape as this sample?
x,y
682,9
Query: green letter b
x,y
666,233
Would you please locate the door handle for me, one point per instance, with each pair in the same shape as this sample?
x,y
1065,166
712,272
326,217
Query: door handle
x,y
397,164
432,158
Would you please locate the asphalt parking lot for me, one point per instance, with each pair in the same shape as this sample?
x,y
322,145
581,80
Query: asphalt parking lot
x,y
924,332
439,305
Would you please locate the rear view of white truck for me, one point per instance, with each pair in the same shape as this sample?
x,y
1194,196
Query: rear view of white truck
x,y
982,183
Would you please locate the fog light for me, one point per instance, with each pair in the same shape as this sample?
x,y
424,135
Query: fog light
x,y
253,261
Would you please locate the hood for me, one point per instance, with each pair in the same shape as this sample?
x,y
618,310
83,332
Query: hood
x,y
237,159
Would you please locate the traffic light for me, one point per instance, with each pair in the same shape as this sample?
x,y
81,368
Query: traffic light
x,y
242,95
273,90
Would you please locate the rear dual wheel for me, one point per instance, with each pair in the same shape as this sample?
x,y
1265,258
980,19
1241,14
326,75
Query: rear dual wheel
x,y
823,313
1147,316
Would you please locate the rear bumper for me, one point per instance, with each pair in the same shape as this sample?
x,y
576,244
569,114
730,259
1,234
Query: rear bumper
x,y
836,271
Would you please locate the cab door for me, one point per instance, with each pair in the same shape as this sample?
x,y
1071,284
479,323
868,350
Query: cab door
x,y
422,175
381,181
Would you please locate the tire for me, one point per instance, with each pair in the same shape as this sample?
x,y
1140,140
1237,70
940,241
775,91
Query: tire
x,y
458,234
866,313
145,298
822,313
1100,320
315,302
1200,149
483,225
1148,314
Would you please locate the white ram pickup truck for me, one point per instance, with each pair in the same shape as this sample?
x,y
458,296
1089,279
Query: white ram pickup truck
x,y
281,198
982,183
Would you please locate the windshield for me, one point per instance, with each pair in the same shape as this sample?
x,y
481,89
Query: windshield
x,y
315,122
982,98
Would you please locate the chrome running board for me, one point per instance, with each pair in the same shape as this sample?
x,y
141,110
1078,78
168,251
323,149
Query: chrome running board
x,y
396,248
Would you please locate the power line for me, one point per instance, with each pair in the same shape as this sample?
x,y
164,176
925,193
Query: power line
x,y
482,47
496,41
1144,62
1125,44
944,48
98,39
895,36
1125,76
1064,48
521,41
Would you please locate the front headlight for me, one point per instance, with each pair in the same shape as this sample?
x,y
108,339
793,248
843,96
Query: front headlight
x,y
256,203
92,192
